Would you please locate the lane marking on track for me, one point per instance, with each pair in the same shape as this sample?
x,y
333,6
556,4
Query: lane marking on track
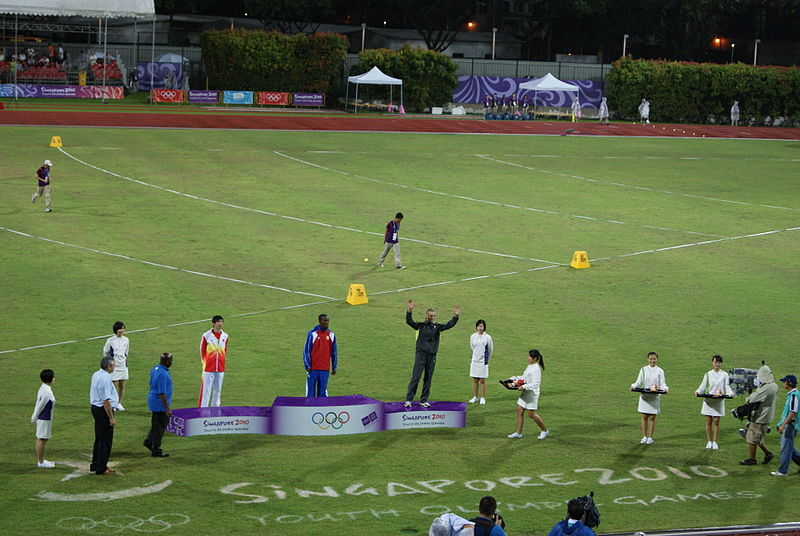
x,y
299,220
632,186
477,200
159,265
427,285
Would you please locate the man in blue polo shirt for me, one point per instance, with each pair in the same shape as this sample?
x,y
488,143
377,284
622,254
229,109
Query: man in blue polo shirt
x,y
158,401
788,425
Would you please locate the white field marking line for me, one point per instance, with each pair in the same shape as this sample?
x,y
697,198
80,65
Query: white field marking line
x,y
476,200
299,220
158,265
632,186
428,285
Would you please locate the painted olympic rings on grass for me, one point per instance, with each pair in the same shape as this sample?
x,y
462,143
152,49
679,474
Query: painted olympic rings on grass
x,y
330,420
117,524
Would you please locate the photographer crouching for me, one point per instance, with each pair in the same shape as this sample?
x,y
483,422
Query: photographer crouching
x,y
760,418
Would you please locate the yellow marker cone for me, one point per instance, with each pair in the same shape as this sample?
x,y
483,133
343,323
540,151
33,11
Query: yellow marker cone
x,y
580,260
55,141
356,294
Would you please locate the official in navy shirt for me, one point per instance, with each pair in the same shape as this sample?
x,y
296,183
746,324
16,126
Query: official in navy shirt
x,y
158,401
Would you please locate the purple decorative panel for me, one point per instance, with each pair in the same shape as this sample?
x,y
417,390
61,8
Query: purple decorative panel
x,y
472,90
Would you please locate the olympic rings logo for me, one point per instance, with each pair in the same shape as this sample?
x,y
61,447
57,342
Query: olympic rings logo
x,y
117,524
274,97
168,93
330,420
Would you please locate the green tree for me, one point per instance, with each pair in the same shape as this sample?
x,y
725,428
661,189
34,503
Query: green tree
x,y
290,15
439,22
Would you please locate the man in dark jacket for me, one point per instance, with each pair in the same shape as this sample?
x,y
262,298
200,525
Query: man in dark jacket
x,y
427,346
572,526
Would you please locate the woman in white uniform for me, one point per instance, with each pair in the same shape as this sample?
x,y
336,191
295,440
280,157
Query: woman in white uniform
x,y
652,378
481,344
117,347
529,395
715,382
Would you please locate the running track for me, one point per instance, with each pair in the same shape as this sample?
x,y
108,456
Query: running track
x,y
204,119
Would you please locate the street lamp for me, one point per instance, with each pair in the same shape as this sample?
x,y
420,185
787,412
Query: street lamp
x,y
494,40
755,52
624,44
363,34
733,46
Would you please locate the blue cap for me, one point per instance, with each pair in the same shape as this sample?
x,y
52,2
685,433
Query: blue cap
x,y
791,379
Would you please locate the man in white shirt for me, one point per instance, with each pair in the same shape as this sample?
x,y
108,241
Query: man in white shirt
x,y
103,398
118,347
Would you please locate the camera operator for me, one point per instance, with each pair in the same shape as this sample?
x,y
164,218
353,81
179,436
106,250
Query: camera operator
x,y
489,523
766,393
572,526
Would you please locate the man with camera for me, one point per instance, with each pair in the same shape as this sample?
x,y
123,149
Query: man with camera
x,y
489,523
765,395
572,526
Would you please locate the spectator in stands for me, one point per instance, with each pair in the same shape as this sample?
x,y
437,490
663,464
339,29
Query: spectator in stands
x,y
572,526
489,523
2,55
83,61
60,54
92,58
22,58
51,51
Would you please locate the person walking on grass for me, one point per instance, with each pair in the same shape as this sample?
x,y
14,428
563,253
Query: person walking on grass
x,y
482,347
42,416
787,426
392,241
427,345
117,347
43,176
529,395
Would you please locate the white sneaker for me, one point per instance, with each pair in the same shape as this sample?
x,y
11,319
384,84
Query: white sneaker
x,y
714,446
48,210
46,465
543,434
400,267
473,399
709,445
120,407
514,436
380,265
777,473
407,403
425,404
643,441
650,441
483,400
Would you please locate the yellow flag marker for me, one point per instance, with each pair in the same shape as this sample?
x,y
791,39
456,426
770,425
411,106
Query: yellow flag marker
x,y
55,141
580,260
356,294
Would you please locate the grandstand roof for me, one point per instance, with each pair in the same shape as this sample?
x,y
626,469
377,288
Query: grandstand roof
x,y
86,8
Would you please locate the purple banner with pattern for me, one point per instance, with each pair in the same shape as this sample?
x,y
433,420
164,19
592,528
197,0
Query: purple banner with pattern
x,y
335,415
473,89
162,74
64,92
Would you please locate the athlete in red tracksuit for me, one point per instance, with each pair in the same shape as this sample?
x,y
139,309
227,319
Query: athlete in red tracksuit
x,y
319,357
213,349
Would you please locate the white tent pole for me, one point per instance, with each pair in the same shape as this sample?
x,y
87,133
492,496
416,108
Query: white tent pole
x,y
105,57
355,104
390,96
16,54
153,52
346,95
401,95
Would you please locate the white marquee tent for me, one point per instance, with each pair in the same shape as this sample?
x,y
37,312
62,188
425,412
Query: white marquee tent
x,y
103,9
376,77
548,83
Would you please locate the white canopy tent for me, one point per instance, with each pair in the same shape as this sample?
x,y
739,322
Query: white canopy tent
x,y
376,77
103,9
548,83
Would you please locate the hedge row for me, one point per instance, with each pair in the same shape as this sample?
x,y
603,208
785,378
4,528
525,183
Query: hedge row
x,y
703,92
428,77
271,61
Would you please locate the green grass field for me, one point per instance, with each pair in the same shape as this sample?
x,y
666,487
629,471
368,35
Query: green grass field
x,y
297,213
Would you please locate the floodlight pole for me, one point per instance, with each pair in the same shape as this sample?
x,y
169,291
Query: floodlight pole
x,y
494,40
625,38
363,34
755,52
733,46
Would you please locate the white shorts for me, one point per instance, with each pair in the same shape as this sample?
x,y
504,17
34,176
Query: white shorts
x,y
528,400
44,429
119,374
478,370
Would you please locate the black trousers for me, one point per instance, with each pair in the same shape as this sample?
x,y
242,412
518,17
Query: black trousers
x,y
158,424
423,362
103,439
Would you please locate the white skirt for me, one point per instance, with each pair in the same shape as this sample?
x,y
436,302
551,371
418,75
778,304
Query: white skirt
x,y
119,374
650,404
44,429
478,370
528,400
713,407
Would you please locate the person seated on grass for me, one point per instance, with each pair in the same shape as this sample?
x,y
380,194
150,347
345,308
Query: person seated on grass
x,y
451,525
